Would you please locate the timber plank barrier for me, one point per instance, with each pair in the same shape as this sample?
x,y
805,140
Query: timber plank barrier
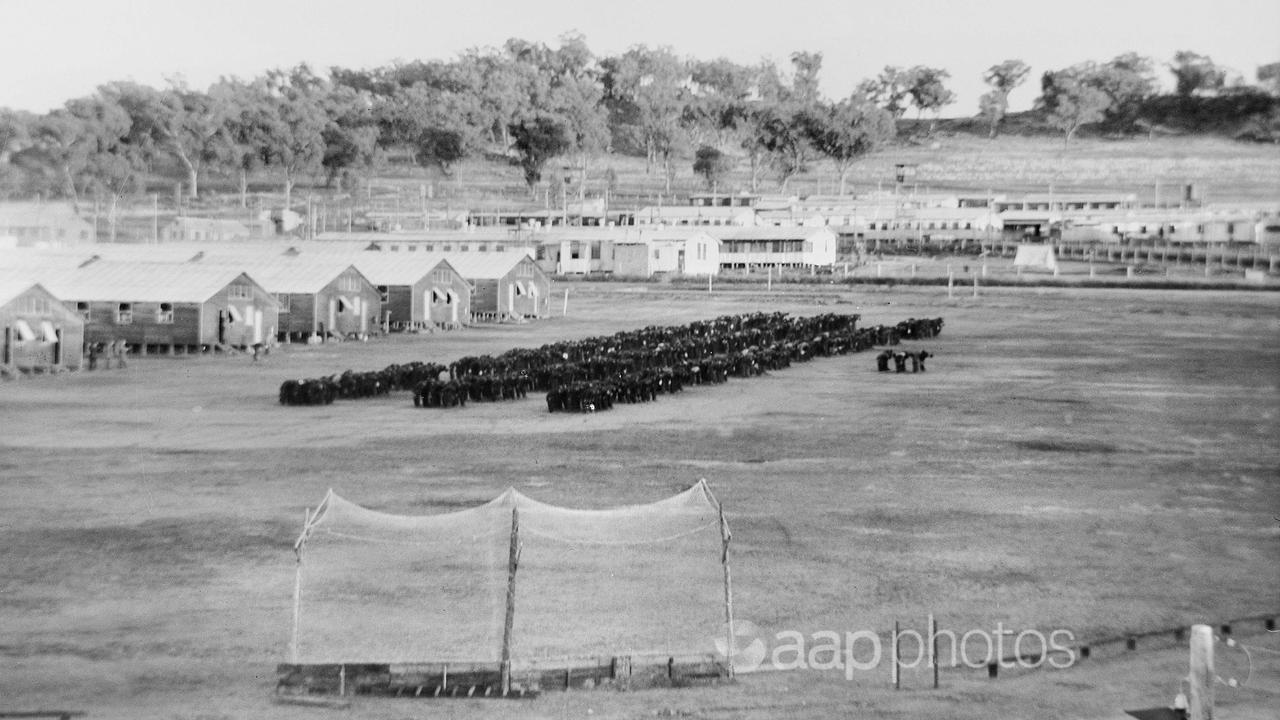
x,y
1102,648
484,680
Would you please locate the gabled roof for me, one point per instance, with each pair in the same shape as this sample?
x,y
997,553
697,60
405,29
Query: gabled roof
x,y
387,268
11,290
303,274
12,285
487,266
125,281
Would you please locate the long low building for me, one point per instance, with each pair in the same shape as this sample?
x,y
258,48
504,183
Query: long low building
x,y
1170,226
160,306
780,247
45,225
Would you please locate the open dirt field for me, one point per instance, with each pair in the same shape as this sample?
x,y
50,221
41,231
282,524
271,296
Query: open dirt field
x,y
1100,461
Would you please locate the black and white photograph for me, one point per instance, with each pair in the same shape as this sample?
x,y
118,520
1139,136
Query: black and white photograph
x,y
712,360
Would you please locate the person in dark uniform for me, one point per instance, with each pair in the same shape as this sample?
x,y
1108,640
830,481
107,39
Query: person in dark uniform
x,y
900,361
882,361
922,355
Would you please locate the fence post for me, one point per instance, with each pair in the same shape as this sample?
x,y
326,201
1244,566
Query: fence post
x,y
933,649
1201,678
897,671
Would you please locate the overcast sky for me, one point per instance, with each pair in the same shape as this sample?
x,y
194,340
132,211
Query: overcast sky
x,y
53,50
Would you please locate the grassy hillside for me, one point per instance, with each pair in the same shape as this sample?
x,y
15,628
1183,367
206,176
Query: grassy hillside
x,y
1222,170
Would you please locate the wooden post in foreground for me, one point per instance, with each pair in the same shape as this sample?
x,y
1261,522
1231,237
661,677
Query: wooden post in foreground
x,y
1201,679
513,561
933,649
565,311
297,588
728,588
895,671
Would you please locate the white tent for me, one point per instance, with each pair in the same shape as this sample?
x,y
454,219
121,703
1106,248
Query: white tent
x,y
1036,256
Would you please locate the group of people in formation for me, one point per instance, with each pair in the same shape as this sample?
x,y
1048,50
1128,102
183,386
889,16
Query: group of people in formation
x,y
589,375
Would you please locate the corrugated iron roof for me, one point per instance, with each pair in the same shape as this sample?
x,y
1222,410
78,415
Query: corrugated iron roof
x,y
302,274
685,211
397,268
13,285
486,266
799,232
126,281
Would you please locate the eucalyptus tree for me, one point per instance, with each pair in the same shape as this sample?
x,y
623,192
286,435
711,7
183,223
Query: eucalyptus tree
x,y
645,92
1003,78
293,121
1071,99
848,130
928,91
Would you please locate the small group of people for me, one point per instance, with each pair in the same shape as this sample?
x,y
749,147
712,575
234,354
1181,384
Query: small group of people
x,y
900,359
107,352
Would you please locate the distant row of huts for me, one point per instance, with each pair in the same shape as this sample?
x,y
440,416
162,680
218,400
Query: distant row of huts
x,y
870,217
187,298
718,232
938,216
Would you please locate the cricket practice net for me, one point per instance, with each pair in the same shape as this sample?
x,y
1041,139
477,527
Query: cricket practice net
x,y
513,577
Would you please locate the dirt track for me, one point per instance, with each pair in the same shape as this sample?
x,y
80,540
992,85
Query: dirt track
x,y
1093,460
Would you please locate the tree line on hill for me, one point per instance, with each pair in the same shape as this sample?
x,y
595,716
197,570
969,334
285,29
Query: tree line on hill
x,y
527,103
